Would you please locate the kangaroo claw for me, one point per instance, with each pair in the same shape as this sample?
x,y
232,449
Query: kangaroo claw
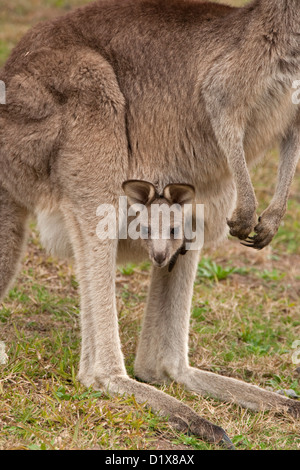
x,y
227,443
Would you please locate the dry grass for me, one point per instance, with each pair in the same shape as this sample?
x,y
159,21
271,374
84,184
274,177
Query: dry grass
x,y
242,326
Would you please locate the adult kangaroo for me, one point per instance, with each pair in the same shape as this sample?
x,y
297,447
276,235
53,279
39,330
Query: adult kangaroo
x,y
168,92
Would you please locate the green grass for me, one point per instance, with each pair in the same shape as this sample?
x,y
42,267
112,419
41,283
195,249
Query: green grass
x,y
4,51
209,269
245,319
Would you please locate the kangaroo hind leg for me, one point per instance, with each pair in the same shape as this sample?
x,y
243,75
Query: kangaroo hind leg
x,y
12,239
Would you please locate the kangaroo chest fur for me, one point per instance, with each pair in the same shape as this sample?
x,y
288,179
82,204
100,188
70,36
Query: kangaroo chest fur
x,y
175,62
164,54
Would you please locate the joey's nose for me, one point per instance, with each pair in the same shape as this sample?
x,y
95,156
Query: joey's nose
x,y
160,258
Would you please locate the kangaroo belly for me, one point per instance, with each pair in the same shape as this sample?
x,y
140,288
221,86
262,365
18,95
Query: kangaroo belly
x,y
53,234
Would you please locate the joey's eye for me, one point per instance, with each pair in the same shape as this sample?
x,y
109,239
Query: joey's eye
x,y
144,232
175,231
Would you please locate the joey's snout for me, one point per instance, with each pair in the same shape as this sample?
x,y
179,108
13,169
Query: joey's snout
x,y
160,258
160,252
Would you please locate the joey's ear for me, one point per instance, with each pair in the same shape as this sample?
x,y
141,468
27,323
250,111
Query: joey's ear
x,y
139,192
179,193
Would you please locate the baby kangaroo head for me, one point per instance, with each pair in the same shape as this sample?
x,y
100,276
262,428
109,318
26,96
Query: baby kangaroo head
x,y
161,218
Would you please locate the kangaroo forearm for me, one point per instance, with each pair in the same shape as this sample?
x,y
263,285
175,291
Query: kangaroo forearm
x,y
243,219
270,219
289,157
245,191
